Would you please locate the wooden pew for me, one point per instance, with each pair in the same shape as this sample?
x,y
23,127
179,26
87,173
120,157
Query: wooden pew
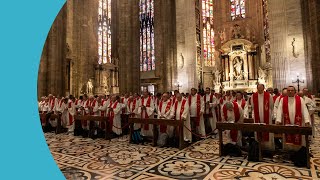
x,y
280,129
53,116
95,118
156,123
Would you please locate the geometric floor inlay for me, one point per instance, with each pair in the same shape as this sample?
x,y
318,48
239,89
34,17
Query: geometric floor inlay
x,y
84,158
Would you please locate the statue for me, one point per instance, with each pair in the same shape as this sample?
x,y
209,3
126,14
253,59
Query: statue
x,y
181,62
217,76
222,35
89,87
262,76
237,64
231,76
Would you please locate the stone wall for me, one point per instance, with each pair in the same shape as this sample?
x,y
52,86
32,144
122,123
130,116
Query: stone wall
x,y
287,43
311,24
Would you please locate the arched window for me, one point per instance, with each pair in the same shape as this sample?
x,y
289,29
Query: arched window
x,y
147,58
238,9
104,31
208,32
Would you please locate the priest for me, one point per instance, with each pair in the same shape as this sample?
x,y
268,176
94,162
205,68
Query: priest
x,y
181,112
196,112
164,112
262,105
211,102
292,111
146,110
232,113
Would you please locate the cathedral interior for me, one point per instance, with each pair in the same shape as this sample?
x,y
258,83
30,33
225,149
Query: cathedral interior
x,y
104,47
126,46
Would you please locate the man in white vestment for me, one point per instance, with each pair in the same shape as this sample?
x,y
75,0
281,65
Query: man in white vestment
x,y
164,112
292,111
71,112
114,114
262,112
196,104
146,110
276,102
232,113
181,112
311,105
211,102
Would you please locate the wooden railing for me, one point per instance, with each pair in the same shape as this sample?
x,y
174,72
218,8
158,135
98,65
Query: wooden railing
x,y
251,127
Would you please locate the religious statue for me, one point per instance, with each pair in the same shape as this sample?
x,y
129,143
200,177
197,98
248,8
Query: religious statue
x,y
217,77
222,35
262,76
236,32
89,87
237,64
181,62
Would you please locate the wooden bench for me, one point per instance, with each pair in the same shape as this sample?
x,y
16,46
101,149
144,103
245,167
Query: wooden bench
x,y
95,118
156,123
52,117
280,129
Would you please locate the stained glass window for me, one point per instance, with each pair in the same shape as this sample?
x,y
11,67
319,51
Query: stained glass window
x,y
208,32
147,58
104,31
238,9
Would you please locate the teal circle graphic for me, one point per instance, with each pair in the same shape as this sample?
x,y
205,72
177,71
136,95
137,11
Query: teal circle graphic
x,y
24,152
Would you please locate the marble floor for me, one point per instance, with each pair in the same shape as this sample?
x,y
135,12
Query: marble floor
x,y
84,158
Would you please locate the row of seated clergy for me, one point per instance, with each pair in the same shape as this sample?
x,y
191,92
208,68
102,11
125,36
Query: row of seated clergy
x,y
291,111
167,109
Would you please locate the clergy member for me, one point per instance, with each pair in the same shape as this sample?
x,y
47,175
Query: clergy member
x,y
181,112
292,111
196,111
114,114
210,101
262,105
146,110
232,113
164,112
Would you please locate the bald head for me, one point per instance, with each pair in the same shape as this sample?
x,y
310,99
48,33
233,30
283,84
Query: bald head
x,y
165,97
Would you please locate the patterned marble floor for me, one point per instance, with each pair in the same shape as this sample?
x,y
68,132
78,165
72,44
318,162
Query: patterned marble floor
x,y
84,158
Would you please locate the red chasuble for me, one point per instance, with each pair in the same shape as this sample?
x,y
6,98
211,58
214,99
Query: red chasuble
x,y
266,107
236,111
292,138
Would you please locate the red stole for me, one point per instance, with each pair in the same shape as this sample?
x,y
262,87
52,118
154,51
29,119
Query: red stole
x,y
163,128
52,104
233,133
60,103
198,108
182,108
205,101
146,126
275,98
93,103
133,106
85,113
243,103
292,138
266,106
111,113
102,113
